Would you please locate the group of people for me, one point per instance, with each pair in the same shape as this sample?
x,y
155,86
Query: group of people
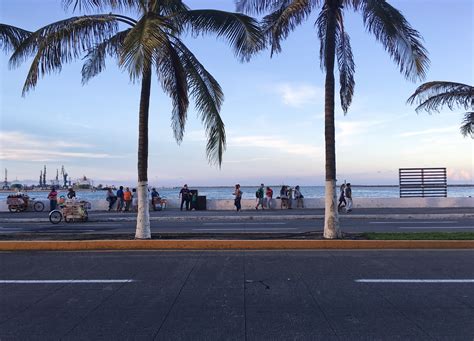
x,y
264,197
345,198
128,200
189,198
53,197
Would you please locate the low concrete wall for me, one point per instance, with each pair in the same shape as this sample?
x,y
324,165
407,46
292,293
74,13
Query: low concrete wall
x,y
249,204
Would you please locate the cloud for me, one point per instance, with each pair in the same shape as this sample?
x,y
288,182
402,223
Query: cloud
x,y
298,95
277,143
430,131
18,146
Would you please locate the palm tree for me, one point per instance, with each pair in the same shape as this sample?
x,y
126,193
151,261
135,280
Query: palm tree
x,y
150,41
11,37
386,23
432,96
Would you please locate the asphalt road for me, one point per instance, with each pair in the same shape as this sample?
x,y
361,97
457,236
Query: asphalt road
x,y
246,226
237,295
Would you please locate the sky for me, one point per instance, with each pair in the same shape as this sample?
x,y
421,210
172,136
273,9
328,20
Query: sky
x,y
273,110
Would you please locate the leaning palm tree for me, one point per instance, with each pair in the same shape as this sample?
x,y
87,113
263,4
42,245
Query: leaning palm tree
x,y
432,96
144,36
386,23
11,37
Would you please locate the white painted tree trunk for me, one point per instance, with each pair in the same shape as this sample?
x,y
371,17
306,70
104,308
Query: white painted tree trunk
x,y
143,216
331,218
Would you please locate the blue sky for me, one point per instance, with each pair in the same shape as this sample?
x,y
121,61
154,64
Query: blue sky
x,y
273,110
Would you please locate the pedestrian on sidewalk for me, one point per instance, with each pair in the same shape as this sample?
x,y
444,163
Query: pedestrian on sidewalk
x,y
155,199
120,201
290,197
299,197
342,199
134,200
238,197
185,195
53,199
127,197
269,197
284,197
71,193
111,198
259,194
348,195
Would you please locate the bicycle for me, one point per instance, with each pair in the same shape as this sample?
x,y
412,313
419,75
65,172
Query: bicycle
x,y
70,211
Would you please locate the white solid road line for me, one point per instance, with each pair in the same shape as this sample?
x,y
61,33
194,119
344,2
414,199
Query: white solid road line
x,y
66,281
415,280
249,229
436,227
412,222
243,223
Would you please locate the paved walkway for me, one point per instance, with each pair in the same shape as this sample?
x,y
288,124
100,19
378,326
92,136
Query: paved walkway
x,y
174,214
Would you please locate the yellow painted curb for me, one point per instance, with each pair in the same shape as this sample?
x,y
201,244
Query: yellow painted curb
x,y
232,244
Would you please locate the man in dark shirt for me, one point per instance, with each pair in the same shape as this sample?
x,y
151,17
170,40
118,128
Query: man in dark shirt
x,y
185,195
120,199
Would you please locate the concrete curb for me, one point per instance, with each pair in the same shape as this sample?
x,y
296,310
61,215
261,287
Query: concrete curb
x,y
261,218
231,245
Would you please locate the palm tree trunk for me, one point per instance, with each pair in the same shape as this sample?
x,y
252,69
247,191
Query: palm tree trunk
x,y
331,219
143,217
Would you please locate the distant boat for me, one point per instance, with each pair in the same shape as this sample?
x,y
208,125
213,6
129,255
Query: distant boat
x,y
83,183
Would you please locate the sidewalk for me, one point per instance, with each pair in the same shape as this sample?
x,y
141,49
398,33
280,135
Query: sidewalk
x,y
177,215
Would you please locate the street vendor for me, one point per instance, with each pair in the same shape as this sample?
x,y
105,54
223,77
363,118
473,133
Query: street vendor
x,y
53,199
71,193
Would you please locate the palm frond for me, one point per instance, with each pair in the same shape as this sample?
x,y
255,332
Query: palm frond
x,y
91,5
172,76
169,7
140,45
241,32
278,24
208,98
346,67
264,6
400,40
467,127
60,43
321,25
95,58
432,96
11,37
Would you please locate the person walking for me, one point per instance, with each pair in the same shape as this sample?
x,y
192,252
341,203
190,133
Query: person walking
x,y
134,200
299,197
71,193
342,198
127,198
238,197
111,198
259,194
53,199
185,196
269,197
155,199
348,194
284,197
120,201
290,197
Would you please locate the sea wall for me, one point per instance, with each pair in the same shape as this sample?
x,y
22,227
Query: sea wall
x,y
249,204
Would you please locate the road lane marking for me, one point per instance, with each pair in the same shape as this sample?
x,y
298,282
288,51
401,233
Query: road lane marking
x,y
211,224
412,222
436,227
254,229
415,280
66,281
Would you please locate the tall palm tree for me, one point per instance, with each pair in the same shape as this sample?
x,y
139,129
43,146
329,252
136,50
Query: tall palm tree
x,y
432,96
386,23
144,35
11,37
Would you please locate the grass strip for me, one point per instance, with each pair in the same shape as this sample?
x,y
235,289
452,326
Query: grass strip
x,y
419,236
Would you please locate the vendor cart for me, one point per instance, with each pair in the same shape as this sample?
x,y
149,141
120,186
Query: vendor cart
x,y
21,202
71,211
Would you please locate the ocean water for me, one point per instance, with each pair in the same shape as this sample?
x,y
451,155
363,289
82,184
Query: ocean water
x,y
249,192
